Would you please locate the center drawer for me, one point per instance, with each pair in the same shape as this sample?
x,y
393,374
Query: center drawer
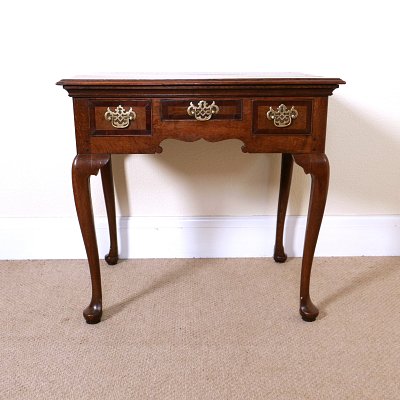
x,y
201,109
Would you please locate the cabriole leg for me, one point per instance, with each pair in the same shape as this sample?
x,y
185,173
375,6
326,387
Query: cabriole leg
x,y
83,167
317,165
284,189
108,189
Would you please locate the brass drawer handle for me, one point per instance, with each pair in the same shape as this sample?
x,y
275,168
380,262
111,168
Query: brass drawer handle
x,y
203,111
120,118
282,117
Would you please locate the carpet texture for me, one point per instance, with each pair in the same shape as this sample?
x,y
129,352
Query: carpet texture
x,y
201,329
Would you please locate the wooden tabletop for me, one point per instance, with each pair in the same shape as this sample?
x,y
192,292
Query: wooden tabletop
x,y
148,79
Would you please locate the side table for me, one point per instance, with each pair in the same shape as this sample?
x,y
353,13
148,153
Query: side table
x,y
133,114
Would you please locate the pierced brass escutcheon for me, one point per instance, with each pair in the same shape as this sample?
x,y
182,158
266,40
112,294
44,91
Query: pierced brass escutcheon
x,y
282,116
120,118
203,111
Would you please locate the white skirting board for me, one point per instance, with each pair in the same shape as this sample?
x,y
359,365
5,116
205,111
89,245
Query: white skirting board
x,y
202,237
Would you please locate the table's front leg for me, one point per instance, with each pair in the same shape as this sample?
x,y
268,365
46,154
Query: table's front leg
x,y
83,167
317,165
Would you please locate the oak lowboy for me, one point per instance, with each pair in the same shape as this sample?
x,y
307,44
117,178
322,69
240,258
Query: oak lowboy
x,y
133,114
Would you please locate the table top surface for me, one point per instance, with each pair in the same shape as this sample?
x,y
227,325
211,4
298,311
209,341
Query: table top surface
x,y
254,78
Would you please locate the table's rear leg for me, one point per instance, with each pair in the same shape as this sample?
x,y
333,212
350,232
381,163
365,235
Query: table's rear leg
x,y
317,165
83,167
284,189
108,189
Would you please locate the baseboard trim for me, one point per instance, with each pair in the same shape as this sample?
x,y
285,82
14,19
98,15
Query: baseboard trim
x,y
202,237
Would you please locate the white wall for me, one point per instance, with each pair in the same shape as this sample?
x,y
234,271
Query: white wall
x,y
45,41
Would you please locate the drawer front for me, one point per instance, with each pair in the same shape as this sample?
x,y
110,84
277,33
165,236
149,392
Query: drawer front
x,y
201,110
282,116
120,117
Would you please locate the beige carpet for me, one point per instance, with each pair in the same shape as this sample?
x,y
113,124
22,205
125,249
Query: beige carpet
x,y
201,329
